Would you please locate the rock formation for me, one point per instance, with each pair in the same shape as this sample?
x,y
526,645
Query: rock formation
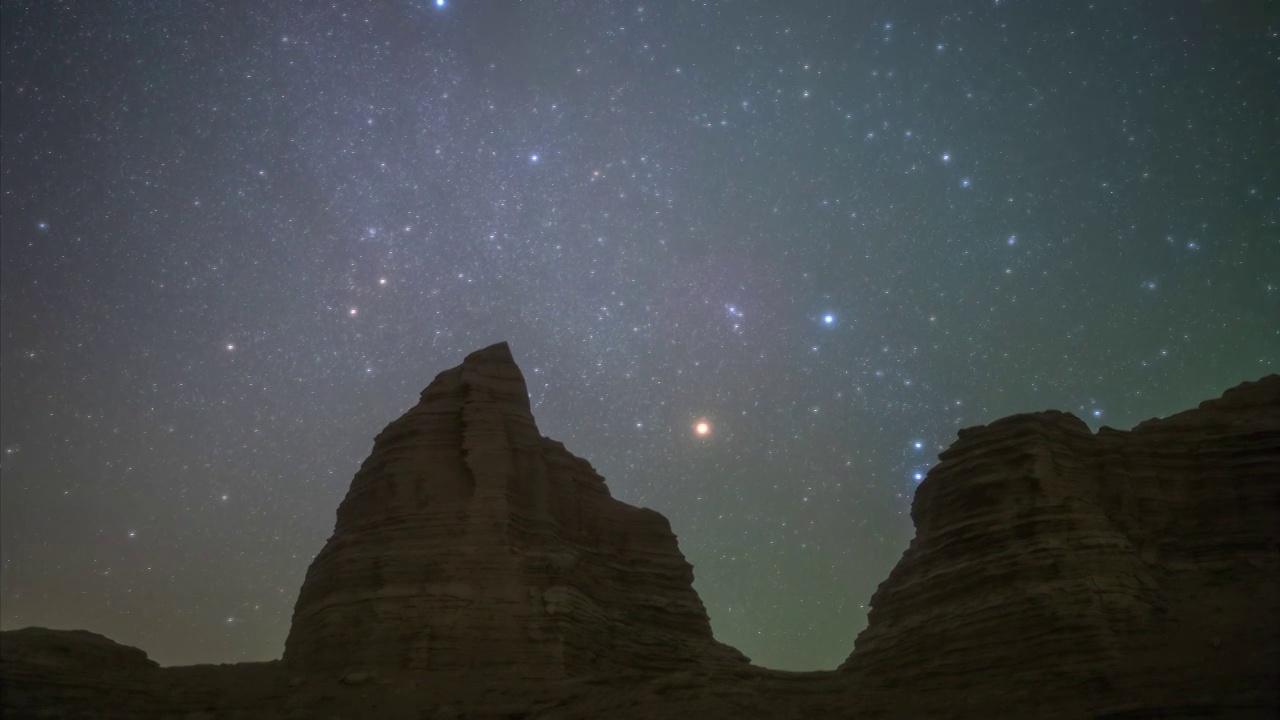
x,y
470,542
478,569
85,665
1136,569
74,674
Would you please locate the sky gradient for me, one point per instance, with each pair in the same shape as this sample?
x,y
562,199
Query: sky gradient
x,y
238,238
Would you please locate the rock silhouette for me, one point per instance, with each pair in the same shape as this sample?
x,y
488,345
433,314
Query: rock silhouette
x,y
1049,562
480,570
469,541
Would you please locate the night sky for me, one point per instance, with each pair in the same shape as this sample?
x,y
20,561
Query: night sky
x,y
240,237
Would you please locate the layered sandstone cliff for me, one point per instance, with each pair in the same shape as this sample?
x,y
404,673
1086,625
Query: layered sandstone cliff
x,y
1117,574
478,569
468,542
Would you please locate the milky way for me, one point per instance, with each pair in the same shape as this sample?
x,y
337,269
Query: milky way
x,y
240,237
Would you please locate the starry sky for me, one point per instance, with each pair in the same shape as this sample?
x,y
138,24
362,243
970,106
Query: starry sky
x,y
240,237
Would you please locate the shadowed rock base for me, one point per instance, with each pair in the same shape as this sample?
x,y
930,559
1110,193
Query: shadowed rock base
x,y
480,570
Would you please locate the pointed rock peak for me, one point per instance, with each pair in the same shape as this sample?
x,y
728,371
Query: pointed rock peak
x,y
469,544
495,353
489,374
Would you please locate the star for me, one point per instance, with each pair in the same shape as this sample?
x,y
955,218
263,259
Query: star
x,y
682,254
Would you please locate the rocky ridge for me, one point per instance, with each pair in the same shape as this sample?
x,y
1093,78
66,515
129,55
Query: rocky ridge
x,y
1051,563
480,570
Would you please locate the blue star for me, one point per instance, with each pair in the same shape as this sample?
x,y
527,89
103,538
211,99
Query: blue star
x,y
828,319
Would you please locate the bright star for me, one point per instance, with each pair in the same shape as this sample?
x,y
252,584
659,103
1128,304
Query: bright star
x,y
946,157
828,319
439,3
964,182
533,157
702,428
918,476
917,445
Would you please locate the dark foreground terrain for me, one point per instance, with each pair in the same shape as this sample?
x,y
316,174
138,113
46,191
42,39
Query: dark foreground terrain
x,y
480,570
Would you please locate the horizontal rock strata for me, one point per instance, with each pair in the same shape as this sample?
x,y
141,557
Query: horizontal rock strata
x,y
480,570
1123,572
469,543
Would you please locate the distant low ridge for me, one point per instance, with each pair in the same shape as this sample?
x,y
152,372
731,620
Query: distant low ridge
x,y
480,570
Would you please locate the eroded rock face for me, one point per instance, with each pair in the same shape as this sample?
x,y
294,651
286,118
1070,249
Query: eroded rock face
x,y
479,570
1127,573
469,542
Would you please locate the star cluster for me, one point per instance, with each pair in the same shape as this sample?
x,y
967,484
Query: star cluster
x,y
239,237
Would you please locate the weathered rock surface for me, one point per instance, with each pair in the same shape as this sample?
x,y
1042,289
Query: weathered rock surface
x,y
479,570
469,542
1122,574
72,674
78,665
